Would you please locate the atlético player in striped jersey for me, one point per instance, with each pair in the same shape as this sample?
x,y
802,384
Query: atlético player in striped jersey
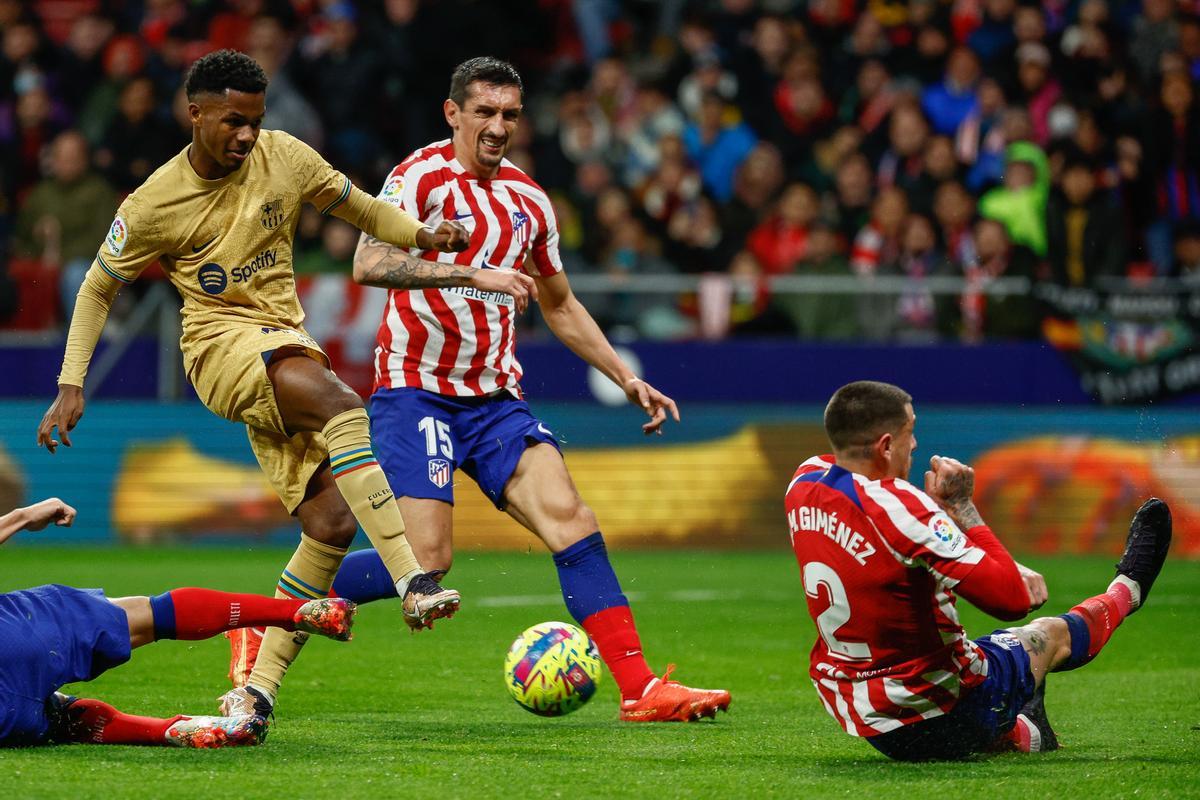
x,y
882,563
447,393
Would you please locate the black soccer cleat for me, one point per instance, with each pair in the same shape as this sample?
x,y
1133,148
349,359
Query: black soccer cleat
x,y
426,600
1147,546
1042,738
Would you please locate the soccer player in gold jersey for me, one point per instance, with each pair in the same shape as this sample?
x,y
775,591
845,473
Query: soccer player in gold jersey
x,y
220,218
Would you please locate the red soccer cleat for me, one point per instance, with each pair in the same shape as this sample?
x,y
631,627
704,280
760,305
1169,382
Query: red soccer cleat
x,y
669,701
243,652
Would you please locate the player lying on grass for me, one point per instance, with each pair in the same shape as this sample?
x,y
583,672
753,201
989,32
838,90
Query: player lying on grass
x,y
54,635
882,563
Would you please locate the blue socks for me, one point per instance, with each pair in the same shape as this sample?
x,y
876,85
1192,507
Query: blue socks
x,y
162,607
588,582
362,578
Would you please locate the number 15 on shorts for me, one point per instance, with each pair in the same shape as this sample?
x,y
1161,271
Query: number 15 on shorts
x,y
437,437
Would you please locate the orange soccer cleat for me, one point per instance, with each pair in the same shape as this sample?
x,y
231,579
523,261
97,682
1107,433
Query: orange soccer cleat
x,y
670,701
243,652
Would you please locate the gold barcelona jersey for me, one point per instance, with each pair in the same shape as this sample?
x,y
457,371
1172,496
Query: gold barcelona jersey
x,y
225,244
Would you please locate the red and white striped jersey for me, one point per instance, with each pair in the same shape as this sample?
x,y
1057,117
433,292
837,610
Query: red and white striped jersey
x,y
459,341
878,560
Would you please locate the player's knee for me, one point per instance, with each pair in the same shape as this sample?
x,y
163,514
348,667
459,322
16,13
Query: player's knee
x,y
336,529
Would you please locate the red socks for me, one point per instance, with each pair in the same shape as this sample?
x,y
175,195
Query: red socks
x,y
613,631
1102,614
97,722
1092,623
200,613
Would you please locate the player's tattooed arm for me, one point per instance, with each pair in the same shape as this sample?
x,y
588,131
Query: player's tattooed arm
x,y
378,263
952,484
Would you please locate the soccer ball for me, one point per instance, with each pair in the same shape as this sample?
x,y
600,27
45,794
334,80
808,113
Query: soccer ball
x,y
552,669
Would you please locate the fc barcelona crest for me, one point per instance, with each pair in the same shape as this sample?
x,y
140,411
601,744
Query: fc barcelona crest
x,y
272,214
439,472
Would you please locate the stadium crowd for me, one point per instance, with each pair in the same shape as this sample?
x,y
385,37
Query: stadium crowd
x,y
975,139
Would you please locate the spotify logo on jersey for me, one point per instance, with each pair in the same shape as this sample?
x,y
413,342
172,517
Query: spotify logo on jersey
x,y
212,278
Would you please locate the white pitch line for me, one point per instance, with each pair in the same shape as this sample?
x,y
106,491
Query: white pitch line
x,y
681,596
713,595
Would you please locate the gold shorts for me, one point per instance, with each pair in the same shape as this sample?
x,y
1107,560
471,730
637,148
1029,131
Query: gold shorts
x,y
228,367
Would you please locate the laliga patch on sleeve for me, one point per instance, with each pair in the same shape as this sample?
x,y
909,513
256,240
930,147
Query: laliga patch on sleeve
x,y
393,190
118,234
952,541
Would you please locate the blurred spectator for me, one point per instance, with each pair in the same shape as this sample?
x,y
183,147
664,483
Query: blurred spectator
x,y
949,103
917,314
994,39
695,241
993,315
633,254
879,240
903,163
853,195
674,184
754,187
123,59
870,100
341,78
1187,253
1155,32
26,127
782,239
652,118
1020,203
759,68
1084,230
336,253
79,62
980,139
63,220
137,140
1173,164
267,43
954,209
717,147
823,315
1039,91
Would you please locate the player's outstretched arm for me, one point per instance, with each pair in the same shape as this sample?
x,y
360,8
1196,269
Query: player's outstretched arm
x,y
91,311
377,263
998,584
36,517
575,328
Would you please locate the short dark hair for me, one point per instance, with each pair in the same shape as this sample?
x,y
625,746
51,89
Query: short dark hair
x,y
487,70
225,69
860,412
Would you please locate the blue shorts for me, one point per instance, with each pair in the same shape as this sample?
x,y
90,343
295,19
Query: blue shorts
x,y
420,438
982,716
51,636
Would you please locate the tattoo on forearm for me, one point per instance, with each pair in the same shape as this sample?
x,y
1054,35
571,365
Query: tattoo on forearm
x,y
958,487
965,514
383,264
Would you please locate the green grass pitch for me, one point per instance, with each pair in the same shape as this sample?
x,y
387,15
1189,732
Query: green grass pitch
x,y
394,715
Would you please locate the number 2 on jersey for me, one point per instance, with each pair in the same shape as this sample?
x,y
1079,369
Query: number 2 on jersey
x,y
817,575
436,432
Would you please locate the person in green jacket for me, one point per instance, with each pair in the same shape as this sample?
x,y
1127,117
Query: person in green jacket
x,y
1020,203
65,214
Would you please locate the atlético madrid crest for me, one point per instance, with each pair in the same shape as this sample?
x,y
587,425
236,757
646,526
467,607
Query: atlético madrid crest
x,y
272,214
439,472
